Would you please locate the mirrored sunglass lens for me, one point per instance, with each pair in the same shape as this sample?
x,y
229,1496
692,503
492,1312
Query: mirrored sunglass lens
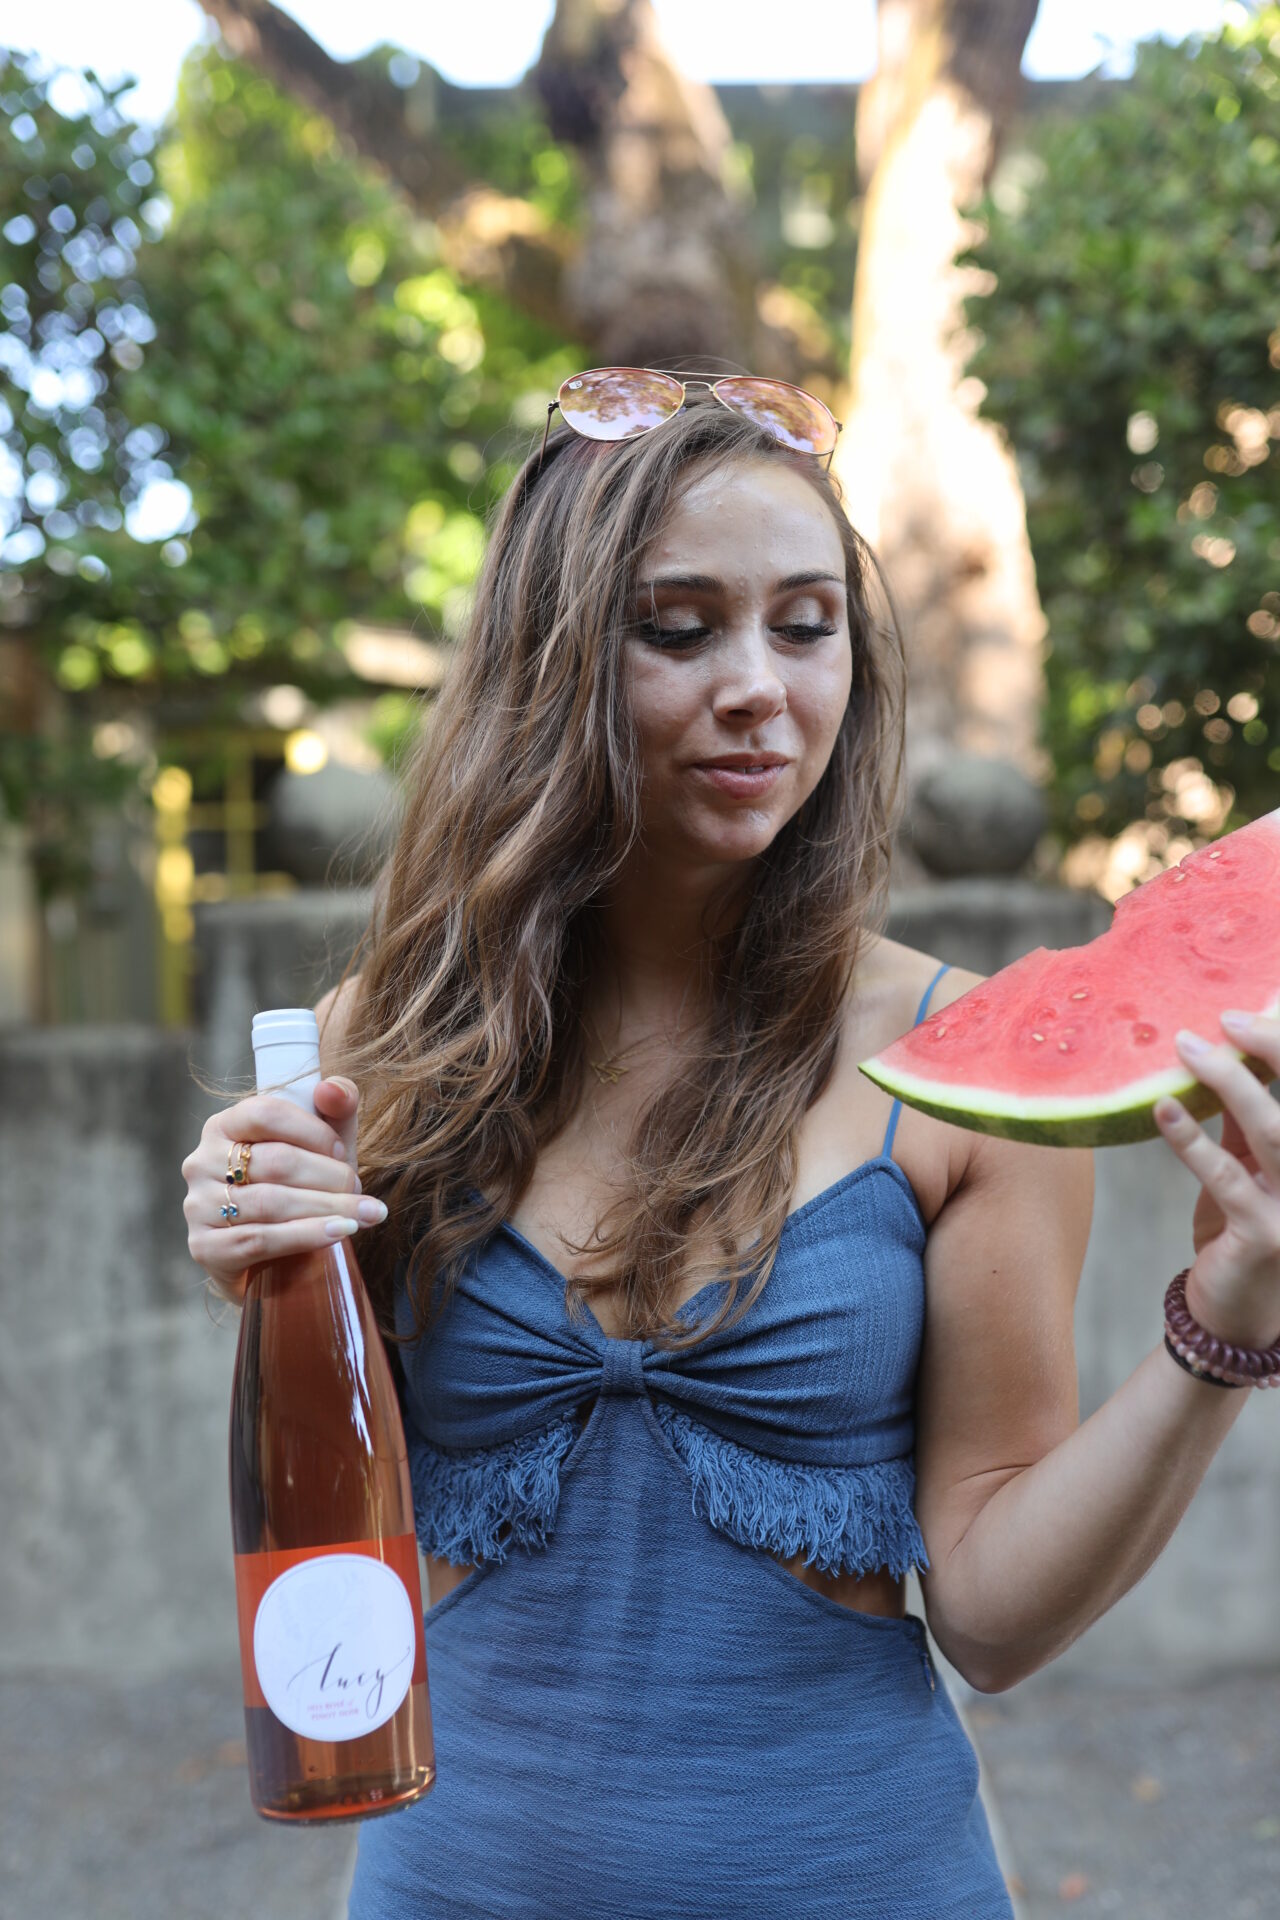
x,y
615,403
793,417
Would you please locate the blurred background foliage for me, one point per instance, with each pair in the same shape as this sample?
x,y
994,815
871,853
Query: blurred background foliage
x,y
241,310
249,312
1130,346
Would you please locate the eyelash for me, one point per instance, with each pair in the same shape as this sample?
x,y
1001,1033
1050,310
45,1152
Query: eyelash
x,y
675,637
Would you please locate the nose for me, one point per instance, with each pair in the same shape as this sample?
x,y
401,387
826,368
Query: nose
x,y
750,685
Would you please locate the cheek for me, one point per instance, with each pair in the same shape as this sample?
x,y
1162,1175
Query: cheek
x,y
664,704
817,700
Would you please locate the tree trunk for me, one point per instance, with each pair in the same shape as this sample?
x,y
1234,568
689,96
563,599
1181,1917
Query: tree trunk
x,y
487,238
928,483
665,268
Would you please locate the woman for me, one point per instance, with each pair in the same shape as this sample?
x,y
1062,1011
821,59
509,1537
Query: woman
x,y
702,1342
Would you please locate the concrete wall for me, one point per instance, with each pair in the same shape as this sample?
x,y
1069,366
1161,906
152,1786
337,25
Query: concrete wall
x,y
115,1384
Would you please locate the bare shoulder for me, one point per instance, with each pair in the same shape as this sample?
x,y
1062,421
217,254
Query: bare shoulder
x,y
907,972
892,981
333,1014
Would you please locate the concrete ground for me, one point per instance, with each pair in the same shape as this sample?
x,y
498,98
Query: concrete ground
x,y
1151,1803
1143,1801
133,1804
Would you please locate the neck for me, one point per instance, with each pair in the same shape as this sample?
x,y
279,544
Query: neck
x,y
657,923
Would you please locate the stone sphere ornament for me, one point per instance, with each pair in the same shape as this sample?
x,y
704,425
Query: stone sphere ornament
x,y
974,814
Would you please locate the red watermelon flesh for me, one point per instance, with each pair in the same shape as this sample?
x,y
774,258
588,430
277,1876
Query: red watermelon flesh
x,y
1074,1047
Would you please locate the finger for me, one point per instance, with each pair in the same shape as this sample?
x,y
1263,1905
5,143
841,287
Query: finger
x,y
264,1203
1247,1202
276,1163
1243,1097
268,1116
338,1099
232,1291
1257,1034
225,1251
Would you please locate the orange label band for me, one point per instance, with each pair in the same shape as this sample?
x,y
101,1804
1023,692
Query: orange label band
x,y
255,1573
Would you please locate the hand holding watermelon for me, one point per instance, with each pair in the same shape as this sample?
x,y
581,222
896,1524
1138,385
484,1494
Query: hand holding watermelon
x,y
1074,1048
1236,1224
1081,1048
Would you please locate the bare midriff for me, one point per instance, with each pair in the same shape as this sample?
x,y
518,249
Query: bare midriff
x,y
879,1592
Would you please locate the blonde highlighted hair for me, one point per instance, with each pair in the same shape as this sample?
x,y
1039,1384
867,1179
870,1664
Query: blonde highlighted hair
x,y
522,806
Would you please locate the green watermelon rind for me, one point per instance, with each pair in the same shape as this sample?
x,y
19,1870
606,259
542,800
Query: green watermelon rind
x,y
1086,1121
1066,1122
1124,1111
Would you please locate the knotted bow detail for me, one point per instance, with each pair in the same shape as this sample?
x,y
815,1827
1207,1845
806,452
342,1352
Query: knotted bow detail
x,y
794,1426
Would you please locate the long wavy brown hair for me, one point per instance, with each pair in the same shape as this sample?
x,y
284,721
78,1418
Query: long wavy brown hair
x,y
522,805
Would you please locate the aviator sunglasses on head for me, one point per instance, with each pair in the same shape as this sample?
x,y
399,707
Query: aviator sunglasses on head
x,y
616,403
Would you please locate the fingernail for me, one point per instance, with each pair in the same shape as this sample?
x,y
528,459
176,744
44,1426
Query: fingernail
x,y
337,1226
339,1151
371,1211
1191,1042
1236,1020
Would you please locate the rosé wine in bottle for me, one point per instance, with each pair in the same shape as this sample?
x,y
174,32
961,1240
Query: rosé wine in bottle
x,y
337,1712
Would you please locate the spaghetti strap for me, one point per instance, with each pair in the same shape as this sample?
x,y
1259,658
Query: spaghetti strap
x,y
887,1150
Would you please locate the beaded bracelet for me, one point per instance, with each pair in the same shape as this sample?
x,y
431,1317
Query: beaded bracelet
x,y
1195,1372
1201,1353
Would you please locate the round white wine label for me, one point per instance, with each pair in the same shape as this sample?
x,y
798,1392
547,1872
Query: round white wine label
x,y
333,1642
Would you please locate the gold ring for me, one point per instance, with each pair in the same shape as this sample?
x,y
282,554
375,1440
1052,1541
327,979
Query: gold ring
x,y
238,1152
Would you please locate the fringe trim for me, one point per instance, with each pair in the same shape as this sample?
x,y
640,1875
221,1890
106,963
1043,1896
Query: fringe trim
x,y
463,1502
843,1519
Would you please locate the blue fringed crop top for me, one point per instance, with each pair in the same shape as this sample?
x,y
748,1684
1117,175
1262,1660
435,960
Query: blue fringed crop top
x,y
795,1425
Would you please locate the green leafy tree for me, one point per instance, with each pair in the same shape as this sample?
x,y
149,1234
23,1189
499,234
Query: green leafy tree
x,y
253,315
78,192
1130,346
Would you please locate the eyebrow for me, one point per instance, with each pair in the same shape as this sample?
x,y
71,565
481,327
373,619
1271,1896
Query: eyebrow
x,y
708,583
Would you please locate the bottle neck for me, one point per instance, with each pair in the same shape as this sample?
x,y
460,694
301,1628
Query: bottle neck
x,y
293,1071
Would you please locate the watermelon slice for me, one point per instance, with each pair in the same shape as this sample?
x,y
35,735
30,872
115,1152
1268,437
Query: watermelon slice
x,y
1072,1048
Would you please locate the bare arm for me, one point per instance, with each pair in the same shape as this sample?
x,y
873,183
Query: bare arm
x,y
1034,1523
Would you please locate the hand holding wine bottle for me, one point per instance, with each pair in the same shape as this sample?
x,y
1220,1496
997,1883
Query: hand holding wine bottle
x,y
304,1192
337,1713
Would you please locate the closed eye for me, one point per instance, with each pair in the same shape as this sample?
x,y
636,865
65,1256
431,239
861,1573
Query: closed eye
x,y
672,638
669,636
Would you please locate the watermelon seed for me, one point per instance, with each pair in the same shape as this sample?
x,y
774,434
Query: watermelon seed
x,y
1215,853
1064,1046
1081,993
1142,1034
1037,1036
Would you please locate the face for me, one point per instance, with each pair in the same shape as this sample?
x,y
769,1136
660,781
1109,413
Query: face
x,y
740,649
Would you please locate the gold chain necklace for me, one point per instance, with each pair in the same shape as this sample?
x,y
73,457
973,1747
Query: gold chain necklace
x,y
606,1068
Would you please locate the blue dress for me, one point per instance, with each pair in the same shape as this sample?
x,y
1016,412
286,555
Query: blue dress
x,y
638,1713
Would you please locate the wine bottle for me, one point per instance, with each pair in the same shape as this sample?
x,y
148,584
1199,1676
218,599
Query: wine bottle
x,y
337,1710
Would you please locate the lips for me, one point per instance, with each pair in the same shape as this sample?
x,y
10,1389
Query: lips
x,y
743,762
741,776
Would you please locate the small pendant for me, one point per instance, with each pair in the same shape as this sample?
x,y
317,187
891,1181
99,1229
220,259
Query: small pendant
x,y
604,1073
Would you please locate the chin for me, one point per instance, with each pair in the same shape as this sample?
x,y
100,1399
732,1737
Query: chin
x,y
744,839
